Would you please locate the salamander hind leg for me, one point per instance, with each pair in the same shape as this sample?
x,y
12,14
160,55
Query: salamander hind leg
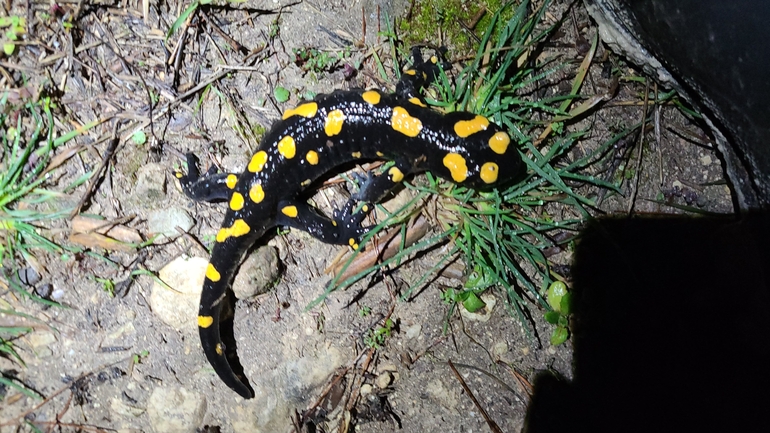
x,y
373,189
343,229
421,73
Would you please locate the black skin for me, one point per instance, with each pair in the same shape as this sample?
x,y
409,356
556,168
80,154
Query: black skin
x,y
268,193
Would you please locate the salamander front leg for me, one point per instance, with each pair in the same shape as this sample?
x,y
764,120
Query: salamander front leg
x,y
210,187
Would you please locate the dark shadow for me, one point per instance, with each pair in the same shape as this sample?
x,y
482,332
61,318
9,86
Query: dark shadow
x,y
670,329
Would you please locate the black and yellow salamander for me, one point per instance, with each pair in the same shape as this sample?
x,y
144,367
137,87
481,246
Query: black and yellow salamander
x,y
309,142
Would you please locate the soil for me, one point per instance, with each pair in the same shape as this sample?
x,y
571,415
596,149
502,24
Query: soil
x,y
81,358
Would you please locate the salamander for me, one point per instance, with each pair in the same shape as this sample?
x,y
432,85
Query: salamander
x,y
307,143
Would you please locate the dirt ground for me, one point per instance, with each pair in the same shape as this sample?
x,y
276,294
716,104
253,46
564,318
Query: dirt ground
x,y
108,67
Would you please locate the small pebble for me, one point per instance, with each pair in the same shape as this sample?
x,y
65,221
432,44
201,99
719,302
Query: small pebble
x,y
28,276
44,290
57,294
413,331
383,380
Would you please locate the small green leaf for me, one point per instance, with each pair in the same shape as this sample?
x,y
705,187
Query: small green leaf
x,y
364,311
479,279
449,296
555,293
552,317
8,48
566,304
473,303
559,336
139,137
281,94
563,321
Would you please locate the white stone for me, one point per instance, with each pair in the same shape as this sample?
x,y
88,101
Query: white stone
x,y
177,306
483,314
413,331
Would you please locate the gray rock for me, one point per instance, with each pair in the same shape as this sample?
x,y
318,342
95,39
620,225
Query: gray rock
x,y
164,222
289,386
125,410
257,274
150,186
175,410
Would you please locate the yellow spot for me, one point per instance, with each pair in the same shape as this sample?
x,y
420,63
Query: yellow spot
x,y
404,123
416,101
371,97
499,142
236,201
410,72
465,128
433,59
395,174
365,208
178,175
290,211
312,157
306,182
239,228
334,121
220,349
334,223
205,321
352,243
356,154
456,165
257,162
489,172
212,273
232,179
380,154
256,193
304,110
287,148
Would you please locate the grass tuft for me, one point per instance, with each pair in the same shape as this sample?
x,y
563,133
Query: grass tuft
x,y
27,145
502,234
